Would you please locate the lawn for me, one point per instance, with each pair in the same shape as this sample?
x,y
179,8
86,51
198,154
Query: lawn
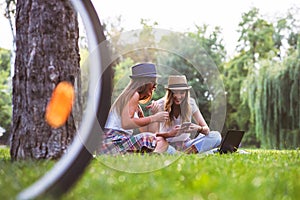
x,y
262,174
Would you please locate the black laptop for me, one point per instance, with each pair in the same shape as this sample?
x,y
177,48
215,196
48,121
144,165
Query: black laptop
x,y
231,141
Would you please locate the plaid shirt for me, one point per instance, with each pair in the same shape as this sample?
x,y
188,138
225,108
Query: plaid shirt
x,y
119,142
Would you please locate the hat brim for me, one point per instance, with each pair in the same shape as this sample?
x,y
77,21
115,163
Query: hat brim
x,y
178,88
145,76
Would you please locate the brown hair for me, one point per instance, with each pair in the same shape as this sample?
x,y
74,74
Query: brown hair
x,y
185,108
135,85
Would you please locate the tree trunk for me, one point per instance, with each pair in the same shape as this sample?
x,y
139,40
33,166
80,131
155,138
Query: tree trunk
x,y
47,53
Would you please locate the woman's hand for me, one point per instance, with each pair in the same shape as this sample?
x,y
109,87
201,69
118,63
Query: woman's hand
x,y
154,107
160,116
193,128
172,133
197,128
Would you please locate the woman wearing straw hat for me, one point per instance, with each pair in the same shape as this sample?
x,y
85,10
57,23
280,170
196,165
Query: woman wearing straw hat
x,y
126,115
182,108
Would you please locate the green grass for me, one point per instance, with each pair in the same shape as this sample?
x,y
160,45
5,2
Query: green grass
x,y
263,174
15,176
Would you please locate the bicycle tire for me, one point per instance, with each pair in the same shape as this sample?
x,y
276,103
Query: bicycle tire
x,y
70,167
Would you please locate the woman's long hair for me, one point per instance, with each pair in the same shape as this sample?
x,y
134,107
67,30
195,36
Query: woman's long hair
x,y
135,85
184,111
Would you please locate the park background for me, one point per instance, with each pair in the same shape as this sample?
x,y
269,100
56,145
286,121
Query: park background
x,y
256,53
260,71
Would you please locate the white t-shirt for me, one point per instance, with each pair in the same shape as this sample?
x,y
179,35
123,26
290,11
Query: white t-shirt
x,y
176,121
114,121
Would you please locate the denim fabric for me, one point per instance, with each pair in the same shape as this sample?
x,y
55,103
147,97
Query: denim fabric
x,y
171,150
205,142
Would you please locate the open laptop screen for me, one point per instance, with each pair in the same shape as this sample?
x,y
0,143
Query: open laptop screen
x,y
231,141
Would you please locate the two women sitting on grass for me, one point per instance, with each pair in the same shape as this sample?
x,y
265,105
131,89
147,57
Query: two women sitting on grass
x,y
159,131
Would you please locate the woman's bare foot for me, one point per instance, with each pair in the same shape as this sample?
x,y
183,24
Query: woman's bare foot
x,y
162,145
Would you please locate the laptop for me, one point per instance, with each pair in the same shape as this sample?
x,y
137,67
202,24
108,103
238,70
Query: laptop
x,y
231,141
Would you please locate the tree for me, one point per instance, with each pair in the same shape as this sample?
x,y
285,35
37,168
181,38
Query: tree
x,y
140,51
255,43
256,76
273,98
238,113
47,53
204,48
256,36
206,51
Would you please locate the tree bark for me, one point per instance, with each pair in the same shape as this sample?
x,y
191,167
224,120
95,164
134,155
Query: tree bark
x,y
47,53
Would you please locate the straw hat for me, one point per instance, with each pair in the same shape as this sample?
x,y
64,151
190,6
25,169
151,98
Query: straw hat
x,y
178,82
144,70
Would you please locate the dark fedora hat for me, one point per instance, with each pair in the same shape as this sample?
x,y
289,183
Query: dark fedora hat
x,y
144,70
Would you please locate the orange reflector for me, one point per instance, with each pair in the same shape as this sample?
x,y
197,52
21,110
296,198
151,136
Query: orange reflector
x,y
60,104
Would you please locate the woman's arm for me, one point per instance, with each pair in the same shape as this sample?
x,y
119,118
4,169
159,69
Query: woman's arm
x,y
130,122
127,116
201,126
154,108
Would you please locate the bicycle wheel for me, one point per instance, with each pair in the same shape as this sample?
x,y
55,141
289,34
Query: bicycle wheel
x,y
70,167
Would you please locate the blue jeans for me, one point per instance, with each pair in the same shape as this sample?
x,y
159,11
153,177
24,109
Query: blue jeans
x,y
205,142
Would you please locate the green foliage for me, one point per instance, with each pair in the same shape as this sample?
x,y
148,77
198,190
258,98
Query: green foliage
x,y
84,73
238,113
139,49
286,32
273,98
5,60
201,48
261,42
5,90
211,42
251,76
256,35
198,59
121,76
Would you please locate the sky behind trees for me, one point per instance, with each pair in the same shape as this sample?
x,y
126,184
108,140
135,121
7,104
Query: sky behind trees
x,y
175,15
182,15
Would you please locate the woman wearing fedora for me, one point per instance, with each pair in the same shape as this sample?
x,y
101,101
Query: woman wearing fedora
x,y
126,115
182,108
